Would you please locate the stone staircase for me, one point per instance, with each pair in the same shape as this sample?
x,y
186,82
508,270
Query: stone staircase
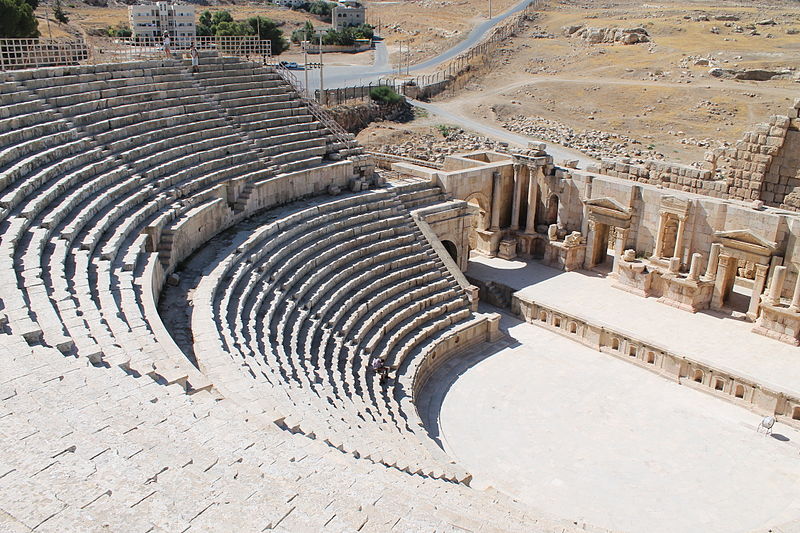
x,y
110,175
303,302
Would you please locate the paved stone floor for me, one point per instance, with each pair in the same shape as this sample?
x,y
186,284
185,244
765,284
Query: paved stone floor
x,y
585,436
714,338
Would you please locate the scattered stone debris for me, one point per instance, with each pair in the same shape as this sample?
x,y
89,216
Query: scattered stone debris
x,y
428,147
594,143
608,35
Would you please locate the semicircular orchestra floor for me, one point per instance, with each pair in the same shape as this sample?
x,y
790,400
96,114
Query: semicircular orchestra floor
x,y
582,435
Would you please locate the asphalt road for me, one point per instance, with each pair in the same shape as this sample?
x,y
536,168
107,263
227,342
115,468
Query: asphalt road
x,y
349,76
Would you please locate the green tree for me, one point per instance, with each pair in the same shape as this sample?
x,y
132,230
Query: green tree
x,y
321,9
306,33
17,19
220,16
204,23
33,3
267,30
59,13
341,38
229,29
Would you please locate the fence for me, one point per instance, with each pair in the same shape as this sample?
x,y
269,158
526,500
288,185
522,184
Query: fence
x,y
342,95
30,53
27,53
457,72
454,74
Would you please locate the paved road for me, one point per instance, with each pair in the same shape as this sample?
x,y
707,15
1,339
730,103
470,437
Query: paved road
x,y
347,76
558,152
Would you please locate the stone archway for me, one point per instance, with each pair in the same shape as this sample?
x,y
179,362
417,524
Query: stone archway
x,y
452,249
480,222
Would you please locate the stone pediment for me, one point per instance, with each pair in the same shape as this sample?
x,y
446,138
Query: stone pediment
x,y
746,240
609,207
675,204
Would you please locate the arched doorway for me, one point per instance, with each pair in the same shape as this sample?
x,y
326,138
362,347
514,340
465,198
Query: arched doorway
x,y
451,249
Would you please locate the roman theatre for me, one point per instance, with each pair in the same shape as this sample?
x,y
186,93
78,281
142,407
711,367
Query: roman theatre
x,y
198,270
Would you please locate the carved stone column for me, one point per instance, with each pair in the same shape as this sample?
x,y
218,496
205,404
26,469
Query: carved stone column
x,y
591,244
713,261
533,201
795,306
726,271
758,287
515,208
694,268
662,220
775,288
495,202
679,237
619,247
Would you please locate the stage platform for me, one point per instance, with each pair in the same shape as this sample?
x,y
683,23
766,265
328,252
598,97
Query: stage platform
x,y
716,339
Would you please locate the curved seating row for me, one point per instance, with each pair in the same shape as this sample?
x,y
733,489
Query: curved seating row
x,y
99,167
306,300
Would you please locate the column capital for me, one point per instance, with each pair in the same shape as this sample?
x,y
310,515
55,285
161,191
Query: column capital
x,y
761,270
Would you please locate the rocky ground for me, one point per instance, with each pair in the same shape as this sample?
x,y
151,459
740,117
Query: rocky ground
x,y
697,75
425,142
594,143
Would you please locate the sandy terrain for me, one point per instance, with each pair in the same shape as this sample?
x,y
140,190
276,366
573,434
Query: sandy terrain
x,y
653,93
428,26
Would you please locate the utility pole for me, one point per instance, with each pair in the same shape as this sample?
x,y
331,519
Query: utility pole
x,y
490,9
400,62
47,16
305,65
321,85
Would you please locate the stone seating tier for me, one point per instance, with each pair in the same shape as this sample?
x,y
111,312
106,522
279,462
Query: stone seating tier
x,y
99,176
278,307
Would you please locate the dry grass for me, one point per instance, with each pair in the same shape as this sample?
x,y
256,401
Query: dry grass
x,y
428,26
644,91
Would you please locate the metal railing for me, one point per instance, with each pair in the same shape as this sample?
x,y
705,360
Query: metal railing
x,y
334,127
32,53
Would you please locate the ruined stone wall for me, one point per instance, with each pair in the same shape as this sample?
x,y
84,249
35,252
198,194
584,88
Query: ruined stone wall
x,y
666,174
746,164
764,165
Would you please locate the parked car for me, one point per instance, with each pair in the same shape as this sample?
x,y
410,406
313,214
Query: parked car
x,y
291,65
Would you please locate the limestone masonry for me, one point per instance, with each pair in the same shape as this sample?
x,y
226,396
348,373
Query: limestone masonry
x,y
199,271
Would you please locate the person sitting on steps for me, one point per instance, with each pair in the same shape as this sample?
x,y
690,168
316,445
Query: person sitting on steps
x,y
377,365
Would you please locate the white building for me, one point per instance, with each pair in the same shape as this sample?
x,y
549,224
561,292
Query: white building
x,y
348,13
152,20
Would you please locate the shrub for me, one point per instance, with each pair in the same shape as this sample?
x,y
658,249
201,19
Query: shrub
x,y
321,9
445,130
385,95
304,34
120,30
59,13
